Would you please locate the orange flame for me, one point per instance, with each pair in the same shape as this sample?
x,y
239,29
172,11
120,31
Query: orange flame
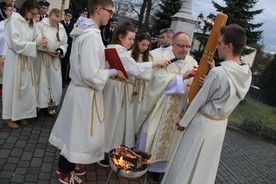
x,y
124,164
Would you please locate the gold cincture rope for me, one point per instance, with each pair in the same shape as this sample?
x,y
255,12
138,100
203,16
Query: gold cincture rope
x,y
94,104
138,89
50,63
25,61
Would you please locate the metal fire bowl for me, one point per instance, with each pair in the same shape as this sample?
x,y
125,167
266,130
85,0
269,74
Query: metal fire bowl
x,y
127,174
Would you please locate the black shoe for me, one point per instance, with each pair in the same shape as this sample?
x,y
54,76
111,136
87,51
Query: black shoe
x,y
104,162
46,112
157,176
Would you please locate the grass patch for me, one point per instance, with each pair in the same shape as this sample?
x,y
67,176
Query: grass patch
x,y
250,107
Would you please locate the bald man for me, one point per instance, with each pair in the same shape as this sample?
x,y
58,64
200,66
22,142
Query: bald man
x,y
165,102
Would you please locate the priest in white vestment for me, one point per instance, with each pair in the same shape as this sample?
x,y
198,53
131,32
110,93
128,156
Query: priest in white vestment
x,y
118,96
157,135
48,66
197,158
166,37
21,36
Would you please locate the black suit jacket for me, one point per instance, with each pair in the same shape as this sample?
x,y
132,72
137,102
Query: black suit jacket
x,y
107,35
68,29
41,17
3,6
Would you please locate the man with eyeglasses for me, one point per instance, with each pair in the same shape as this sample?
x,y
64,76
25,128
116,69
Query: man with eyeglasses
x,y
166,100
79,131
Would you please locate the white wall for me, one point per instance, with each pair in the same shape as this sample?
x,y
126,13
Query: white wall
x,y
57,4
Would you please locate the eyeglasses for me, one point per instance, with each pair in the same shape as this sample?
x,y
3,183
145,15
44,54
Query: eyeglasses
x,y
182,46
109,11
33,13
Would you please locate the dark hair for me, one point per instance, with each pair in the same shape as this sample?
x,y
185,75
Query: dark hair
x,y
122,30
168,31
235,35
27,6
93,4
135,51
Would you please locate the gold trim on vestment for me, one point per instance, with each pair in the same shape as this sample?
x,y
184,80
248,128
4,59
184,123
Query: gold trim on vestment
x,y
168,126
171,116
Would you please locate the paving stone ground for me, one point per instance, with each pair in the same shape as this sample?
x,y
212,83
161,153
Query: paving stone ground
x,y
27,157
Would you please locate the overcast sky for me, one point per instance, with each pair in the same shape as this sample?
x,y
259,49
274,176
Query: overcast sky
x,y
268,17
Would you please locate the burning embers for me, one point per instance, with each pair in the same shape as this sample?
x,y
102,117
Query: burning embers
x,y
129,163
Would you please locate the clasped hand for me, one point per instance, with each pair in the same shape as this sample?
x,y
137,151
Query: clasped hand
x,y
163,63
120,75
42,42
212,65
54,54
179,127
190,73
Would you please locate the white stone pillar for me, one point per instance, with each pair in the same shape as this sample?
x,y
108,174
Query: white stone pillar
x,y
183,20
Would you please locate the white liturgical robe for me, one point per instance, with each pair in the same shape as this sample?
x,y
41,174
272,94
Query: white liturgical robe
x,y
118,101
19,100
140,90
48,68
79,129
3,48
158,135
197,157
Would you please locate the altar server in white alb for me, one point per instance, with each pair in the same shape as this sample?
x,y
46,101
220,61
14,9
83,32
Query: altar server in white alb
x,y
197,157
164,104
19,100
3,46
140,53
48,66
118,96
79,129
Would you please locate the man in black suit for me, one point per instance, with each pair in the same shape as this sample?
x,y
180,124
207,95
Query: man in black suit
x,y
43,9
108,30
3,6
65,63
83,12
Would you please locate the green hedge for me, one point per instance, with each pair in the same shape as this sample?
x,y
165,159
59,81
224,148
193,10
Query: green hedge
x,y
254,126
